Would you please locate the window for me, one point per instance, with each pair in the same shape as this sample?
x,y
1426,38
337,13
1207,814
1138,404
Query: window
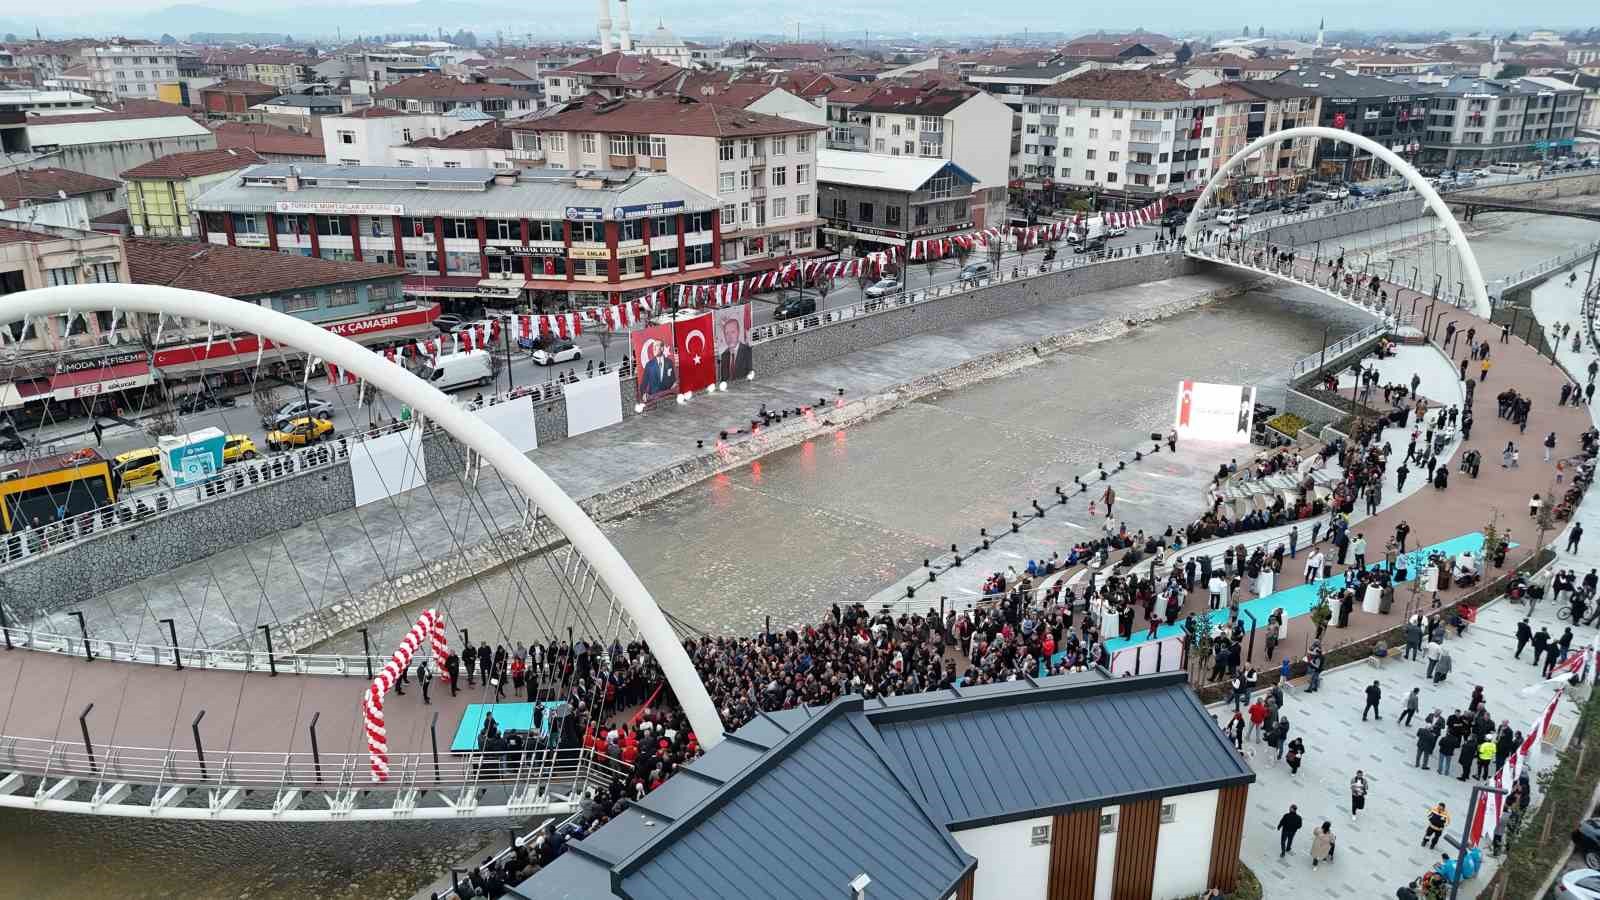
x,y
630,230
725,183
802,174
557,142
1094,134
780,176
1116,114
920,213
298,302
1108,823
939,186
779,206
802,205
725,149
864,212
591,142
1111,178
665,225
696,254
65,275
341,296
877,145
103,273
347,137
245,223
1039,836
1089,154
505,229
380,293
891,215
1113,155
405,135
802,143
802,239
1088,174
664,259
621,145
589,232
744,214
1169,813
1094,112
780,145
658,146
841,208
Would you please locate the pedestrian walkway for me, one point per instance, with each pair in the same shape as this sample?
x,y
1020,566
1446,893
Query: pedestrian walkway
x,y
1381,850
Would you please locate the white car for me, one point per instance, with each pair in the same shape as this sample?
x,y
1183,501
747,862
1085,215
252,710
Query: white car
x,y
556,352
884,287
1336,193
1579,884
1116,231
1232,216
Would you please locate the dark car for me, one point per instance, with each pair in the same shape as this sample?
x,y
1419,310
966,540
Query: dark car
x,y
1586,840
795,306
1092,245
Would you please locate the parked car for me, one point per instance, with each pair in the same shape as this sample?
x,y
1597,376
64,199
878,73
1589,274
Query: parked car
x,y
1116,230
793,307
1232,216
456,370
1336,192
1514,169
1092,245
137,468
1586,840
885,286
295,409
299,433
557,351
974,270
236,447
1579,884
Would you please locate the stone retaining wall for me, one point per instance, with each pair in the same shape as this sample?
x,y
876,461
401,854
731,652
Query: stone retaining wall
x,y
1337,225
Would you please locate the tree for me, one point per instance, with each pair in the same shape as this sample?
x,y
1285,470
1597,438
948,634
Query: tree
x,y
1184,54
932,265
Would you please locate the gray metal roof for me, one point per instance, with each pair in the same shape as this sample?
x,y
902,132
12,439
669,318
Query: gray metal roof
x,y
798,817
1029,748
403,174
798,802
537,198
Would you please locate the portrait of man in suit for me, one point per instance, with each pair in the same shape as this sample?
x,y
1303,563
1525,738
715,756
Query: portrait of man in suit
x,y
735,357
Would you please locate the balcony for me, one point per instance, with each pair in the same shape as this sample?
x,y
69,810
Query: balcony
x,y
1143,147
1049,120
621,160
1135,168
758,192
758,162
529,155
931,137
1147,124
1046,140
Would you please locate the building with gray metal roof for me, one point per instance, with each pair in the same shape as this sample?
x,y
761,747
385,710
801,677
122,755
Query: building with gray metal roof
x,y
1067,787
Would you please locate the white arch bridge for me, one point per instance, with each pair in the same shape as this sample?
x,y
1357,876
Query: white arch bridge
x,y
1375,291
150,730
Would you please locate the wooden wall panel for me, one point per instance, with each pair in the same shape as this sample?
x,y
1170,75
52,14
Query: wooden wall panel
x,y
1226,836
1074,853
1138,830
964,889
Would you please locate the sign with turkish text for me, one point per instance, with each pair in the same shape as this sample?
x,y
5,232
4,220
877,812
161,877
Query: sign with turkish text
x,y
585,214
99,362
339,207
589,253
1214,412
647,209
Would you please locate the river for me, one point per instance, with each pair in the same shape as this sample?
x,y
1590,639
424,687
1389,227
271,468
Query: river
x,y
834,518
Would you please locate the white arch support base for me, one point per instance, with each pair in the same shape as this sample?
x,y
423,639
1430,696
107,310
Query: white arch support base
x,y
1477,291
395,381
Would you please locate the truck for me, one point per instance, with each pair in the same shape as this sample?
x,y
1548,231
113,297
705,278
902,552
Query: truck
x,y
458,370
191,458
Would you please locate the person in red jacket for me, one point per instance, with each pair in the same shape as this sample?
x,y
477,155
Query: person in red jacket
x,y
1258,717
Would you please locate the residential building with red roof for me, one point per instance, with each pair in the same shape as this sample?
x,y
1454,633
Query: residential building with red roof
x,y
160,191
283,69
232,98
930,118
612,75
272,143
442,94
22,187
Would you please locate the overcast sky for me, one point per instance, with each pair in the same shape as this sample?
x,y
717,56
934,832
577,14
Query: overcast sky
x,y
692,17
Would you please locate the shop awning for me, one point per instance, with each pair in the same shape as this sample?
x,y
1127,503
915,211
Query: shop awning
x,y
99,380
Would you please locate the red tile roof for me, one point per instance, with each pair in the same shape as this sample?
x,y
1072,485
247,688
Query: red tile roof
x,y
198,162
43,184
663,115
443,87
267,139
914,102
23,236
1117,84
239,271
127,109
488,136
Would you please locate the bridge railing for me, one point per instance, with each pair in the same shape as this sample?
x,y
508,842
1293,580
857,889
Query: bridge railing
x,y
129,651
1499,286
1332,351
225,768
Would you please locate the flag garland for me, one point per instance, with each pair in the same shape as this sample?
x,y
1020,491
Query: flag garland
x,y
1486,815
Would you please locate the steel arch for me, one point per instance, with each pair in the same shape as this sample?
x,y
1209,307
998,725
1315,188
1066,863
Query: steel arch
x,y
1469,264
396,381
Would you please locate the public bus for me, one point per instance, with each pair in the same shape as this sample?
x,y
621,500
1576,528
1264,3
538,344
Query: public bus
x,y
53,488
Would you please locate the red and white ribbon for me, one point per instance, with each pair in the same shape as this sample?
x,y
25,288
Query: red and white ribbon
x,y
429,628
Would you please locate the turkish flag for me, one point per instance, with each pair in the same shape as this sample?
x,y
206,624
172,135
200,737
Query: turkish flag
x,y
697,358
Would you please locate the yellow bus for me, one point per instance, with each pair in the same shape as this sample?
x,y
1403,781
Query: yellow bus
x,y
52,488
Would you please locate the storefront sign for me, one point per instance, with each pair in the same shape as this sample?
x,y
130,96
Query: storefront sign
x,y
252,240
585,214
100,362
500,287
648,209
589,253
331,207
93,388
547,249
630,252
844,226
247,345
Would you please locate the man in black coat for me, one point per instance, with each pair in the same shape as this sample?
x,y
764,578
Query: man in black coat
x,y
472,664
452,665
1541,640
485,661
1374,694
1524,635
1287,826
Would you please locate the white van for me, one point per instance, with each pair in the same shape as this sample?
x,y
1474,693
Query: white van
x,y
1505,168
458,370
1088,231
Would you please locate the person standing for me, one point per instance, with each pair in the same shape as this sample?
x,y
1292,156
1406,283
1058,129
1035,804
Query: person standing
x,y
1322,842
1541,640
1413,637
472,664
1314,668
1401,532
1409,712
1550,442
1358,794
1294,540
424,678
1258,717
1486,751
1469,752
1374,694
1295,754
452,667
1449,742
1288,825
1524,635
1108,498
1359,548
1574,536
1427,739
1438,821
1400,475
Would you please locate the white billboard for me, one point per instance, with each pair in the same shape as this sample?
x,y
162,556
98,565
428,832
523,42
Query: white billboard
x,y
1214,412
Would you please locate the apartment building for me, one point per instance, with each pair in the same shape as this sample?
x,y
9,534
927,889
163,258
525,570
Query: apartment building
x,y
482,236
1387,110
133,70
1012,84
34,257
442,93
1477,121
160,191
1249,110
968,127
762,169
614,75
282,69
233,98
368,137
1117,131
873,200
43,185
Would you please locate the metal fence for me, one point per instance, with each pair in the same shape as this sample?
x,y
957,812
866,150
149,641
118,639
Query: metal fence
x,y
197,657
1332,351
1499,286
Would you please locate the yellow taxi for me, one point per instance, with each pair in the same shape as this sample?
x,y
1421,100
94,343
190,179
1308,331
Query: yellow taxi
x,y
236,447
299,432
137,468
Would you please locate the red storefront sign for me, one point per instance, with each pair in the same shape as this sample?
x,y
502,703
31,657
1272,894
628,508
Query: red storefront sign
x,y
355,329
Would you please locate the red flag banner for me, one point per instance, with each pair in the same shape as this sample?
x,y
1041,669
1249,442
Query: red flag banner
x,y
697,361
